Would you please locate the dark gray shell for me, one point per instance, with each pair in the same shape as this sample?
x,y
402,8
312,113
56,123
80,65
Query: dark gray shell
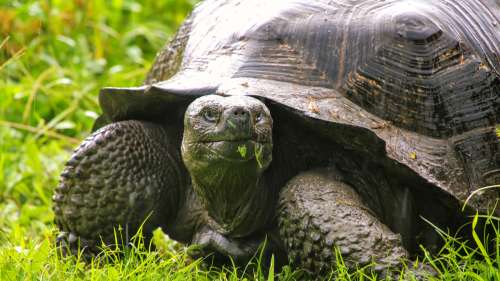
x,y
421,75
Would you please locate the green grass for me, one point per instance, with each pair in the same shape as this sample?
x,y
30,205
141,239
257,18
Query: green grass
x,y
55,55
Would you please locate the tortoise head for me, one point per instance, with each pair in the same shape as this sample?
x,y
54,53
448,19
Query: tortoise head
x,y
227,144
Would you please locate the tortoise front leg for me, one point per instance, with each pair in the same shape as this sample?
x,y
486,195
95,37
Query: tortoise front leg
x,y
125,174
318,213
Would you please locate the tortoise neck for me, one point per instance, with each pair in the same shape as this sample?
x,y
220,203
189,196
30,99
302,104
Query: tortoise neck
x,y
234,198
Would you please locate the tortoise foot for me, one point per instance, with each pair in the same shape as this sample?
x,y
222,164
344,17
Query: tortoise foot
x,y
324,223
208,242
70,244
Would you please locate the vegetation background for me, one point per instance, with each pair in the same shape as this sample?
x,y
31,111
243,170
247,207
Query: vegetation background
x,y
55,55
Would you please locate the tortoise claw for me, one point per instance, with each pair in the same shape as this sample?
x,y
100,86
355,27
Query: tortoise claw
x,y
70,244
208,242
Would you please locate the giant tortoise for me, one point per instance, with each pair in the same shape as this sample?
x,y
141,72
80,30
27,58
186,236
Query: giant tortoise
x,y
322,127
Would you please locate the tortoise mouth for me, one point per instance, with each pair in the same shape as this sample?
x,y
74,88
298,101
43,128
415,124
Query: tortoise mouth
x,y
235,150
230,140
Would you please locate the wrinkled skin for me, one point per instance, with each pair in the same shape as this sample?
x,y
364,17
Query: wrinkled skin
x,y
213,192
226,146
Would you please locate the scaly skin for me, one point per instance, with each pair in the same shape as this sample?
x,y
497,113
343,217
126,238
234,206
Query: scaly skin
x,y
121,175
169,59
318,213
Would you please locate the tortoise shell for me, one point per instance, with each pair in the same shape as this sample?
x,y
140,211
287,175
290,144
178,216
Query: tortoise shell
x,y
420,75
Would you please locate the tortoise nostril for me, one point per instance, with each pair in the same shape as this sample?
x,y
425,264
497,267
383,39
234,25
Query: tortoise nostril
x,y
238,115
240,112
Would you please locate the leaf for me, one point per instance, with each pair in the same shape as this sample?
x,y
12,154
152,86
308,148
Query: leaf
x,y
242,149
64,125
478,241
413,155
270,277
66,40
91,114
473,275
258,154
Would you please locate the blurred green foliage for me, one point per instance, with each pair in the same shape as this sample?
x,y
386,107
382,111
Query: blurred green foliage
x,y
77,46
55,55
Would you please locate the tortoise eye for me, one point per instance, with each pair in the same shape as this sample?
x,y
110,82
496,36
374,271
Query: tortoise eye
x,y
211,115
259,116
